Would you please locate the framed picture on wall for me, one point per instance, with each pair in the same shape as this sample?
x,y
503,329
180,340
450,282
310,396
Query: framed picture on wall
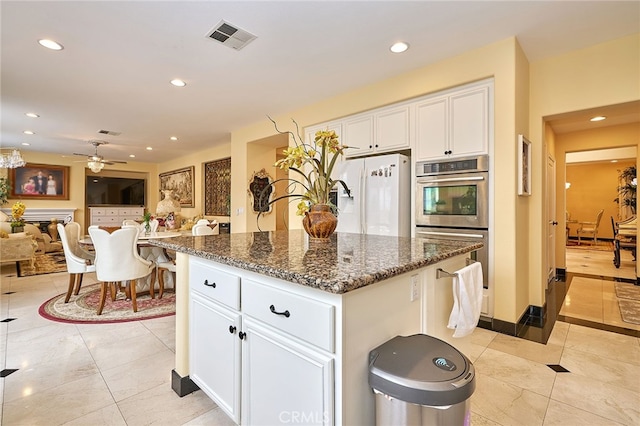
x,y
41,181
524,166
181,182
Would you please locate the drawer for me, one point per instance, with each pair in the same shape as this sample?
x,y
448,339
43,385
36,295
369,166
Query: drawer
x,y
214,284
131,213
111,212
98,212
307,319
104,220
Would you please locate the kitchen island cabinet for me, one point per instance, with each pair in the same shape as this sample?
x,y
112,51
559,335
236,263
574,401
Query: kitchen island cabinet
x,y
289,323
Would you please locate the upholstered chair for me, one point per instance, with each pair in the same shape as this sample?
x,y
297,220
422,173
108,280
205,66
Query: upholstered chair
x,y
78,261
163,267
117,260
202,229
590,228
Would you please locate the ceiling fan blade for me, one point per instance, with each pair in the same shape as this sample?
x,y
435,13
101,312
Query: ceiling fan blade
x,y
113,162
84,155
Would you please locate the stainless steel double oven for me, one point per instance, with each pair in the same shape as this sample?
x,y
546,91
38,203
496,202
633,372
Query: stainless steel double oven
x,y
452,202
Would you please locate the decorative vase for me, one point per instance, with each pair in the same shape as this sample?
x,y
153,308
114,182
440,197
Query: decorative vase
x,y
147,228
168,204
319,222
53,229
16,229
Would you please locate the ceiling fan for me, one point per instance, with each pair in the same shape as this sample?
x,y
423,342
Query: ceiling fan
x,y
96,162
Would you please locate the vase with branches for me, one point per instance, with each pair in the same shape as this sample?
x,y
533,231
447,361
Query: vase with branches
x,y
311,165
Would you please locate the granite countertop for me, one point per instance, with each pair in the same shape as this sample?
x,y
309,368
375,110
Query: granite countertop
x,y
344,263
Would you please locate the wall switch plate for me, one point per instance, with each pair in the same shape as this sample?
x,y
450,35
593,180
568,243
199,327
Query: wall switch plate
x,y
415,289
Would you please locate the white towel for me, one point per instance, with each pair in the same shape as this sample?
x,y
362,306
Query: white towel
x,y
467,300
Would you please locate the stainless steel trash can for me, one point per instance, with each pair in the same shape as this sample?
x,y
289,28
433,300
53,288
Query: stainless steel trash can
x,y
421,380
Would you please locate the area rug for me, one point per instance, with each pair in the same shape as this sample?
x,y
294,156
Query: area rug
x,y
628,291
47,263
630,310
629,301
81,309
601,246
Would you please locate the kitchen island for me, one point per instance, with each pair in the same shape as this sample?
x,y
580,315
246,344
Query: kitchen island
x,y
277,329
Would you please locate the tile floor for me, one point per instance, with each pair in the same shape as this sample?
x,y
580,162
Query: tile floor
x,y
119,374
591,295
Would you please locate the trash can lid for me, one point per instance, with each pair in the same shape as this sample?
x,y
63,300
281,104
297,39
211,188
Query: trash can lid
x,y
421,369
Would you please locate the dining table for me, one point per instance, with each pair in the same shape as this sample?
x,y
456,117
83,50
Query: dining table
x,y
149,252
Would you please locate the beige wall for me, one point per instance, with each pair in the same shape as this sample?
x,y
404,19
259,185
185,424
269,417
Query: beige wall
x,y
594,186
218,151
605,137
604,74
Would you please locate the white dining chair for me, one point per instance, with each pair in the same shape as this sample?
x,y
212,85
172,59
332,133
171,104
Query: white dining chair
x,y
117,260
78,261
170,267
130,222
202,229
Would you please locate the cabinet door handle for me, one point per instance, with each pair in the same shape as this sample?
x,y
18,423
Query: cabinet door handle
x,y
206,282
232,329
242,335
285,313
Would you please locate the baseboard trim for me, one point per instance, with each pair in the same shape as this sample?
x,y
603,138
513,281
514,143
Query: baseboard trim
x,y
182,385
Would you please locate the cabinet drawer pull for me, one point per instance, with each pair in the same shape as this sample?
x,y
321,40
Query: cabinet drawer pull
x,y
232,329
285,313
206,282
242,335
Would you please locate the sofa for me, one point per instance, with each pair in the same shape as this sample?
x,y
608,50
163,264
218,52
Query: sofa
x,y
19,246
45,245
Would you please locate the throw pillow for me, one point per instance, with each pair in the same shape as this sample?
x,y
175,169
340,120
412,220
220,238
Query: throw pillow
x,y
17,235
3,217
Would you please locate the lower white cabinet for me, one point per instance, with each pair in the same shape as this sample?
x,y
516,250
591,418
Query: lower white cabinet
x,y
284,382
215,353
264,357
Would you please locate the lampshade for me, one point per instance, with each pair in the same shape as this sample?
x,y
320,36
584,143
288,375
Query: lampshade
x,y
95,166
12,160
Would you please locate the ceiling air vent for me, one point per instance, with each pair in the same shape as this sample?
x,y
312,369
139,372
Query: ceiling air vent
x,y
109,132
230,35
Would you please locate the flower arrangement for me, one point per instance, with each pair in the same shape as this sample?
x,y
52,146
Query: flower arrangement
x,y
5,187
17,211
319,158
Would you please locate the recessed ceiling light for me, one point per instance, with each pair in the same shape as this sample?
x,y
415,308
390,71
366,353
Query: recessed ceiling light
x,y
173,138
614,161
132,156
399,47
28,132
598,118
25,143
178,83
50,44
31,114
149,148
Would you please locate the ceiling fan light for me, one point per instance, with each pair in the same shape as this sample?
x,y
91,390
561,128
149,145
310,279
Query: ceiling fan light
x,y
95,166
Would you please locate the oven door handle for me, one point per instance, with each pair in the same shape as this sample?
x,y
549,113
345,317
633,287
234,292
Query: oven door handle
x,y
457,179
450,234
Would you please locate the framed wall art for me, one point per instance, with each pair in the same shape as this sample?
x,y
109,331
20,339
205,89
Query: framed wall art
x,y
261,191
41,181
181,182
524,166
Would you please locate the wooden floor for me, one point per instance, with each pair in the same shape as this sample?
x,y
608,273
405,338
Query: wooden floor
x,y
591,295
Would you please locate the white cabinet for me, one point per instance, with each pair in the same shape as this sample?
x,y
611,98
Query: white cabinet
x,y
392,129
258,351
379,131
284,382
358,135
453,125
113,216
215,353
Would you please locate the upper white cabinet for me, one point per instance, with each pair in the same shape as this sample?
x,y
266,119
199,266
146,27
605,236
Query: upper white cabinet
x,y
382,130
453,125
358,135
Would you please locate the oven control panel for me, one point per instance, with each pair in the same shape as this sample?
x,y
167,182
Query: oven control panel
x,y
463,165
